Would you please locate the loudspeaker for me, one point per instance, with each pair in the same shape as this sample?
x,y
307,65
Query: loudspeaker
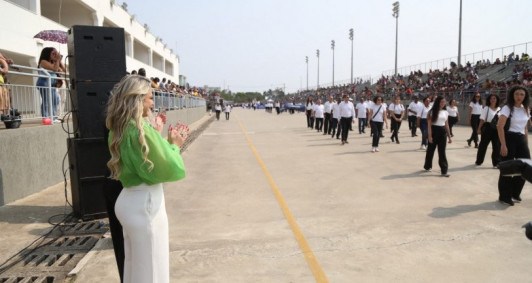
x,y
97,54
88,169
89,103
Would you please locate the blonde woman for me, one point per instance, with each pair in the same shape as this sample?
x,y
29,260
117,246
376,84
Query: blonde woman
x,y
142,160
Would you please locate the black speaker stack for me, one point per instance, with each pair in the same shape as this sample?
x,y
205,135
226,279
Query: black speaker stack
x,y
97,61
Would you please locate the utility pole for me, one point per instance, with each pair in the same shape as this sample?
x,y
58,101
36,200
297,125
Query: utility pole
x,y
460,36
318,55
306,61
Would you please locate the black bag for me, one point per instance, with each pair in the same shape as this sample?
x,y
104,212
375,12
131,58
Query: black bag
x,y
495,120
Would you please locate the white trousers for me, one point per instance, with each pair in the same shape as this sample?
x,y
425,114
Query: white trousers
x,y
142,213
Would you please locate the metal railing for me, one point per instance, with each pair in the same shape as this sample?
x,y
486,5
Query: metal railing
x,y
28,99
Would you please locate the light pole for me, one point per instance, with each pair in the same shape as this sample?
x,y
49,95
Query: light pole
x,y
460,36
351,35
396,16
318,55
332,47
306,61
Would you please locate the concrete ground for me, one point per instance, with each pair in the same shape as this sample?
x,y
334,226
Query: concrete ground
x,y
268,200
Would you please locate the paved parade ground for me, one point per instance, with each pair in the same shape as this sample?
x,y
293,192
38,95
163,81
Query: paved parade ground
x,y
268,200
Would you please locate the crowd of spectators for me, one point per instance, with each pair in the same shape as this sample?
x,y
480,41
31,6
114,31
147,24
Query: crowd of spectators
x,y
456,79
172,88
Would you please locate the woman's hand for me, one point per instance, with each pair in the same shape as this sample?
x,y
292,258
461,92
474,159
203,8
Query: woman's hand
x,y
177,135
504,150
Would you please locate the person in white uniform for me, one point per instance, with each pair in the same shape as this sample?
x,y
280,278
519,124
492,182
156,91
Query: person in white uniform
x,y
438,130
514,140
487,133
475,108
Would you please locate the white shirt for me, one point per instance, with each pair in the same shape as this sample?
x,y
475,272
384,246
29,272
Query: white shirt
x,y
519,119
362,108
422,113
327,107
218,107
347,109
414,107
336,111
476,108
227,108
396,108
377,112
442,117
453,111
488,114
310,105
318,111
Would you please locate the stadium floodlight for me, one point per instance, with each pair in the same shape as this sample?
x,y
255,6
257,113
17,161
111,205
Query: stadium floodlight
x,y
306,61
332,47
396,16
351,36
318,55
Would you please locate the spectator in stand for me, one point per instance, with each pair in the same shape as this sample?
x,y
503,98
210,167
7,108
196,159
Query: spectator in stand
x,y
362,111
162,85
4,94
514,141
454,115
50,59
134,72
475,108
413,108
487,133
438,130
396,110
142,72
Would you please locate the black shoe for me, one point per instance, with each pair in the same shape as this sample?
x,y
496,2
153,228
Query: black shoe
x,y
469,143
445,175
508,202
478,163
382,136
516,199
397,142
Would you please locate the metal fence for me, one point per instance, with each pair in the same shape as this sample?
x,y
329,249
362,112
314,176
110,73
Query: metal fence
x,y
28,99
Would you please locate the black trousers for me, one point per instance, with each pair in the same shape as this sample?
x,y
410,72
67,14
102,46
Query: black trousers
x,y
218,114
111,190
327,123
475,120
335,125
424,127
310,119
517,148
489,135
226,115
376,127
362,122
395,127
412,124
452,122
438,140
319,124
345,124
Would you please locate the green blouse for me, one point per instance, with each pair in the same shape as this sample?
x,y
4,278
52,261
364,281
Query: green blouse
x,y
168,165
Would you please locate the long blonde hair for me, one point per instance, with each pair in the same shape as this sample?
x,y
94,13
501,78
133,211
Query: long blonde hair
x,y
126,105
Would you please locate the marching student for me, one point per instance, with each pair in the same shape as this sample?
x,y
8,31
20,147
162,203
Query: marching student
x,y
487,133
413,109
422,122
438,130
514,140
361,111
475,108
347,112
454,115
397,111
377,116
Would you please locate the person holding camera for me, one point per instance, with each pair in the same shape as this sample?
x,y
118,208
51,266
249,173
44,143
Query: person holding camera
x,y
49,60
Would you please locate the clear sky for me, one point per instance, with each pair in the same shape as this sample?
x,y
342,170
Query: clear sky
x,y
255,45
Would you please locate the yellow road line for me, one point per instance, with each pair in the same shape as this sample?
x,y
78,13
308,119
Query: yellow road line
x,y
312,262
